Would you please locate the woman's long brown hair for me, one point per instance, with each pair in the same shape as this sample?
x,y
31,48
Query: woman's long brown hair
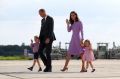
x,y
72,21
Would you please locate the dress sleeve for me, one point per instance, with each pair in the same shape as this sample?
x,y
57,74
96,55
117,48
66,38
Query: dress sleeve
x,y
69,28
81,28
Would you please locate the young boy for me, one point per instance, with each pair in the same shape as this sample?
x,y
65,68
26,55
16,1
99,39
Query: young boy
x,y
35,47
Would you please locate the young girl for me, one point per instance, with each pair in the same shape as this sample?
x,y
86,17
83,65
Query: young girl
x,y
88,55
35,47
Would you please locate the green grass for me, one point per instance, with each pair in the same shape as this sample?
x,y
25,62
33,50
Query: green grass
x,y
14,58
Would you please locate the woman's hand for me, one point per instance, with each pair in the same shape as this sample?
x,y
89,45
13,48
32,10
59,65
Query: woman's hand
x,y
67,22
81,43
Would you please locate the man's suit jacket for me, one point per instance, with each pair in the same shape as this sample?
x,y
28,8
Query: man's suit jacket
x,y
47,29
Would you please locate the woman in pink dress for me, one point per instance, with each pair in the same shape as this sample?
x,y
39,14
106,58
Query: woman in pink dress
x,y
74,25
88,55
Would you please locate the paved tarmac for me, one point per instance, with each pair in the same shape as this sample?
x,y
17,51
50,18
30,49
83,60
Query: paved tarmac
x,y
105,69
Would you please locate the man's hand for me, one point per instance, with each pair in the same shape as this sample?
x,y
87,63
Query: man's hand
x,y
47,41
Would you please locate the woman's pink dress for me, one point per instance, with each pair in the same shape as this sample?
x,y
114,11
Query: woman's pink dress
x,y
88,54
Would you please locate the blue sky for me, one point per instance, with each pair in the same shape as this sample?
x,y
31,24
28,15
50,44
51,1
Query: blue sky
x,y
19,19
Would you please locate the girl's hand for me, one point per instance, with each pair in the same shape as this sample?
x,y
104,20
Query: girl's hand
x,y
67,22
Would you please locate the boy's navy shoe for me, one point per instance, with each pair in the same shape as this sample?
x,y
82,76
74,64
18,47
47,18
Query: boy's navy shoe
x,y
31,68
40,69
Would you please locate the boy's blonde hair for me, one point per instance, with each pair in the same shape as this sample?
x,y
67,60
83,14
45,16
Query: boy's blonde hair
x,y
36,37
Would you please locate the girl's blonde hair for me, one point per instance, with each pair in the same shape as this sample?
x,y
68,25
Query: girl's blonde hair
x,y
87,41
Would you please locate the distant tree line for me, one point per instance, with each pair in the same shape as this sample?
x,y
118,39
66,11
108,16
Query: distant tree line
x,y
12,50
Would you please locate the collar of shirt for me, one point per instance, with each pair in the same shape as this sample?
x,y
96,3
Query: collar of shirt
x,y
45,17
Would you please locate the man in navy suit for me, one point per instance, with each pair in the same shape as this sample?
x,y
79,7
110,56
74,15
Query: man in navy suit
x,y
46,37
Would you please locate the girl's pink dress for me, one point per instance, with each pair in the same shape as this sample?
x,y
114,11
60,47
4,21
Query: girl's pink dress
x,y
88,54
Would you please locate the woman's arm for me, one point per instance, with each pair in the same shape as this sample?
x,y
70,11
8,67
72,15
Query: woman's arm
x,y
82,34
